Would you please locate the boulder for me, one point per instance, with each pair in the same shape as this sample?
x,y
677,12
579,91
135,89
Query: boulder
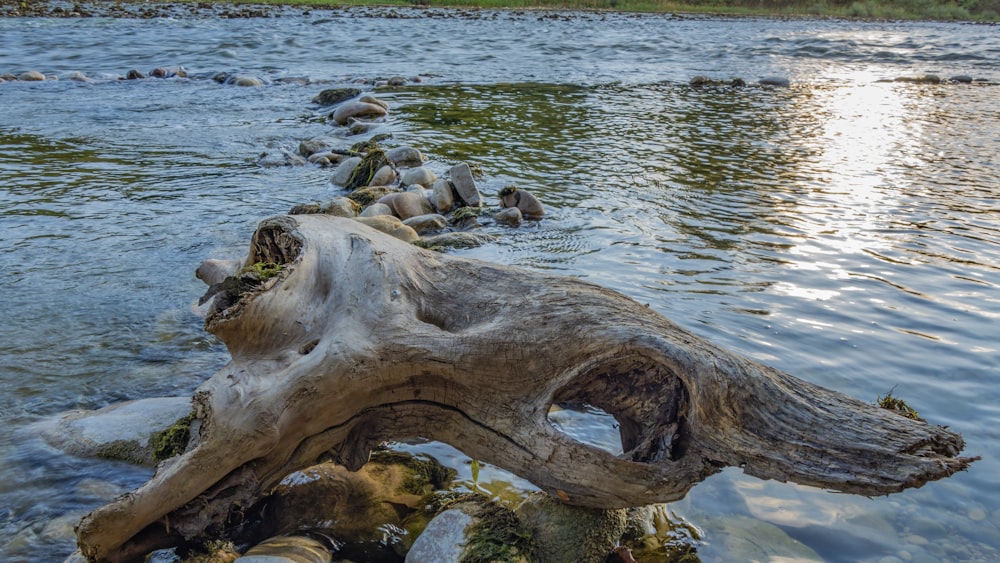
x,y
121,431
357,110
465,185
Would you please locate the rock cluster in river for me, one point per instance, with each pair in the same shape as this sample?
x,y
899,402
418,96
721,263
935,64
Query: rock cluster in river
x,y
394,189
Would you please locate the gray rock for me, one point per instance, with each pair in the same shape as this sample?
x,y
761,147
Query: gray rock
x,y
405,156
442,196
316,145
428,223
776,81
376,209
465,185
358,127
121,431
455,240
384,176
962,79
357,110
510,216
334,96
342,173
287,549
419,175
213,271
444,538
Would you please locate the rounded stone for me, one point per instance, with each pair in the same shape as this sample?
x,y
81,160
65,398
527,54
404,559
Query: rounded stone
x,y
443,540
287,549
341,207
31,76
376,209
510,216
407,204
334,96
384,176
358,110
419,175
428,223
342,173
405,156
369,99
244,80
391,226
529,205
442,195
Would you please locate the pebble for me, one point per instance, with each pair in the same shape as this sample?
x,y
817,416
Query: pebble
x,y
334,96
384,176
404,156
376,209
419,175
31,76
442,196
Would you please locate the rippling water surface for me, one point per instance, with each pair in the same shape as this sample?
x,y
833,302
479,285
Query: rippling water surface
x,y
844,229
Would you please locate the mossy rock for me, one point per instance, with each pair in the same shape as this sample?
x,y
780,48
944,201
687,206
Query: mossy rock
x,y
172,441
370,194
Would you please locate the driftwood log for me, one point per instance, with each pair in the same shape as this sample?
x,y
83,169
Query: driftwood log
x,y
362,338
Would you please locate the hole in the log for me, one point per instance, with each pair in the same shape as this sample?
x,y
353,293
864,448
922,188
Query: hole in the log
x,y
647,399
588,424
276,244
309,347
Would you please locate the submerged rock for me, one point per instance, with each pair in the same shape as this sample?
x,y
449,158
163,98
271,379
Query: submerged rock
x,y
776,81
510,216
512,196
473,529
428,223
121,431
357,110
570,534
455,240
334,96
287,549
31,76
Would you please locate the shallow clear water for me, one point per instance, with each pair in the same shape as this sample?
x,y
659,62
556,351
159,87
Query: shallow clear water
x,y
844,230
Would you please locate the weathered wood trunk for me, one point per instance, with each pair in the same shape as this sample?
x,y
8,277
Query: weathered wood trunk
x,y
363,338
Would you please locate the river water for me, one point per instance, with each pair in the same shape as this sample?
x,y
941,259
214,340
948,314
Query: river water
x,y
844,229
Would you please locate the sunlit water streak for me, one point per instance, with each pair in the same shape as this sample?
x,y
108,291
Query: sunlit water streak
x,y
844,230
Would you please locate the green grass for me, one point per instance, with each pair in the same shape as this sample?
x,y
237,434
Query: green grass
x,y
966,10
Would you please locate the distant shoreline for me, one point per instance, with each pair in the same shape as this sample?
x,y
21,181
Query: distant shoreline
x,y
972,11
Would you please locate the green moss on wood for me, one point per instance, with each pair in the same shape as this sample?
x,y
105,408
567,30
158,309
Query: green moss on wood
x,y
172,441
898,406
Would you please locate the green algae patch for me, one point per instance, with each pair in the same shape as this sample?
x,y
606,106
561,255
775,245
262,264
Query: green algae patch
x,y
172,441
497,535
898,406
